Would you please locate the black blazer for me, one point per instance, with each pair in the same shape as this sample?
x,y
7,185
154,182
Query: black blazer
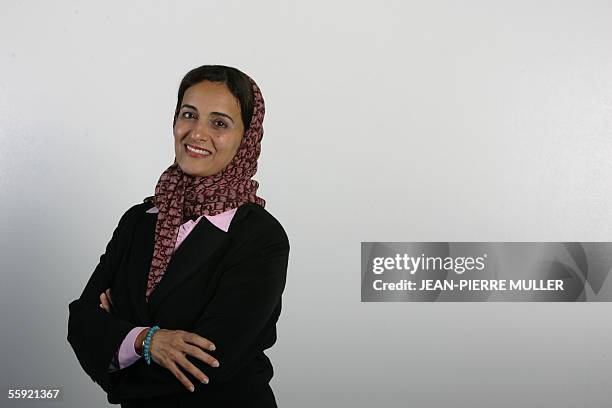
x,y
225,287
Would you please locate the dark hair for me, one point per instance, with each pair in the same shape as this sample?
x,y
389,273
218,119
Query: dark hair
x,y
237,82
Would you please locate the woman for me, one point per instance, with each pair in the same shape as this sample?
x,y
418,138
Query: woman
x,y
186,297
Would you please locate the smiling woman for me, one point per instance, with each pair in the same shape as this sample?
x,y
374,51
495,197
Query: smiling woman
x,y
208,128
192,278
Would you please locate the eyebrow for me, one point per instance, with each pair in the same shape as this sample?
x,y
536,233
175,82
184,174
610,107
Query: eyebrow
x,y
212,113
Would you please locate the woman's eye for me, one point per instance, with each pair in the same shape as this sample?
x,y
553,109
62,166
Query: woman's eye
x,y
188,115
220,123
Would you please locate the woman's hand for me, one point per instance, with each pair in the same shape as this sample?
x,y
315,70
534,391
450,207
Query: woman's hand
x,y
106,301
169,347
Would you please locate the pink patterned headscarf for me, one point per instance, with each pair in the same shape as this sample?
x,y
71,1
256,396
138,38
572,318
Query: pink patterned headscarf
x,y
180,196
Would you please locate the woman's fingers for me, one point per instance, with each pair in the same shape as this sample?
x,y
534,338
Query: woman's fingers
x,y
199,341
169,348
104,303
201,355
179,375
187,365
108,295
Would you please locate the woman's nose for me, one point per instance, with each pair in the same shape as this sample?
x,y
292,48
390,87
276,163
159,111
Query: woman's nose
x,y
199,132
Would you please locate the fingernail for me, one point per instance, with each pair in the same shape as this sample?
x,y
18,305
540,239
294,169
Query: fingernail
x,y
204,381
212,348
192,388
215,364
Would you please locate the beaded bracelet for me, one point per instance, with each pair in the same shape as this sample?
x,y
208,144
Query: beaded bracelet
x,y
147,344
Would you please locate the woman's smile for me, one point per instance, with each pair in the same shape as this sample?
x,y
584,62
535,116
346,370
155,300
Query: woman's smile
x,y
196,152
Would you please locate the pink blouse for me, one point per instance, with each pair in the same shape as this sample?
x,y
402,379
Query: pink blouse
x,y
126,354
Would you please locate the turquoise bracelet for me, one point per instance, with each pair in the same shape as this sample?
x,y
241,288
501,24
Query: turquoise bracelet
x,y
147,343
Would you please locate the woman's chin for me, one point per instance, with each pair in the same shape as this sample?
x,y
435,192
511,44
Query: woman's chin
x,y
191,170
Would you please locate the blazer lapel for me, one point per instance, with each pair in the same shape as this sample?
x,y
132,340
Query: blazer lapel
x,y
204,241
198,248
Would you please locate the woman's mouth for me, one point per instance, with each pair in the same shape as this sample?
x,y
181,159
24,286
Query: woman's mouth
x,y
197,152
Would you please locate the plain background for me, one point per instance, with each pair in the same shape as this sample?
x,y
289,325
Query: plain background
x,y
386,121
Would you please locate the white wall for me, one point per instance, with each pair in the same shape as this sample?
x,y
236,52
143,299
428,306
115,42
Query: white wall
x,y
386,121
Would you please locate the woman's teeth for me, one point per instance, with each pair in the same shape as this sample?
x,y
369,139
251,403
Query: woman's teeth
x,y
198,151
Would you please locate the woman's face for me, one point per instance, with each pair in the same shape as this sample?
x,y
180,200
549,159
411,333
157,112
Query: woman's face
x,y
209,121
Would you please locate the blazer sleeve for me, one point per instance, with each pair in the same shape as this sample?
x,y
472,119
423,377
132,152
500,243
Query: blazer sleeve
x,y
244,305
94,334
